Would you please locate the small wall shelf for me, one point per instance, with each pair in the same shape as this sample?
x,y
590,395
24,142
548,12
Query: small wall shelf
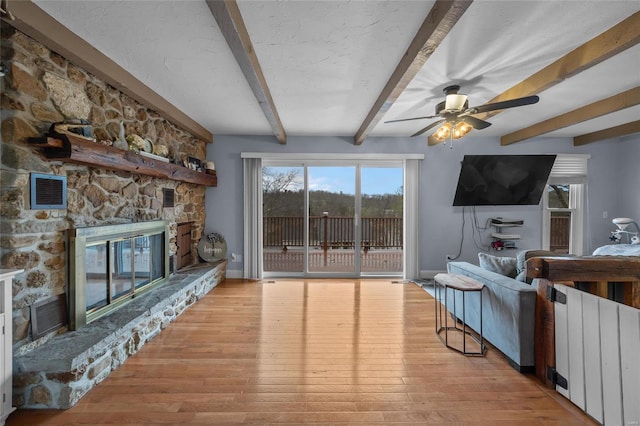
x,y
77,150
501,239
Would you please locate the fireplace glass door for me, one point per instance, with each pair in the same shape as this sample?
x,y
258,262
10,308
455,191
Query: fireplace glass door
x,y
96,267
116,269
110,265
120,269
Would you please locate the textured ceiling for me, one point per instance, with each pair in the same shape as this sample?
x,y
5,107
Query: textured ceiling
x,y
326,62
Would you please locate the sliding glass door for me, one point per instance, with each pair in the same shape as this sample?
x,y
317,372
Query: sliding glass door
x,y
283,213
331,219
382,224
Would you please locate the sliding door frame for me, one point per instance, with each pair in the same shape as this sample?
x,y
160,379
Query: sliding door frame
x,y
410,165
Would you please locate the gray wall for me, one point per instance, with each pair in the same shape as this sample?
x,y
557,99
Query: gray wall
x,y
441,223
628,165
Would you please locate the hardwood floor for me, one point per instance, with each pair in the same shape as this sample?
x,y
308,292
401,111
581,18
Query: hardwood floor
x,y
311,351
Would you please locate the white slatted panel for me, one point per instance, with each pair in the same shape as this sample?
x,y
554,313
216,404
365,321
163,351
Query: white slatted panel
x,y
598,352
630,362
611,380
592,358
576,347
562,342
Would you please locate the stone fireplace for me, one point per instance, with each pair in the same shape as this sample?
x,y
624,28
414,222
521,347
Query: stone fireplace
x,y
41,88
56,367
110,265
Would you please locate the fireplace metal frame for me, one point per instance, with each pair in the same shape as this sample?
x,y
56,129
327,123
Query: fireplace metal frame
x,y
79,238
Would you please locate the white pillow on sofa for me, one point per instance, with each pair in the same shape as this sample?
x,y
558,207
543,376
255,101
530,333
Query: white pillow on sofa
x,y
506,266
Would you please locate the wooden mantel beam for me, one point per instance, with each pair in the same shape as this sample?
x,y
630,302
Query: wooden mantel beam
x,y
439,22
227,15
39,25
596,109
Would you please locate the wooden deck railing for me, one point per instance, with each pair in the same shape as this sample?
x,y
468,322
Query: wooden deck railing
x,y
377,232
332,232
560,233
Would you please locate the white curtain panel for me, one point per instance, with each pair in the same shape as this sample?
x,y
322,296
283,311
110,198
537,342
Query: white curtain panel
x,y
252,169
411,222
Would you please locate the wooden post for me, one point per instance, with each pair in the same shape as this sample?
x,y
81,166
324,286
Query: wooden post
x,y
325,246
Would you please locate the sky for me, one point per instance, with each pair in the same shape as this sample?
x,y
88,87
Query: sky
x,y
376,180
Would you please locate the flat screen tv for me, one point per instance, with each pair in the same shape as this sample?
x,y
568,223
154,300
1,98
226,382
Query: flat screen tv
x,y
502,180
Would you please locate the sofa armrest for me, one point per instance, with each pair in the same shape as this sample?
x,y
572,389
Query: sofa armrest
x,y
508,312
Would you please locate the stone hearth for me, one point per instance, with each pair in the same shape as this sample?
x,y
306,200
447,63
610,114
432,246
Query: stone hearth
x,y
58,374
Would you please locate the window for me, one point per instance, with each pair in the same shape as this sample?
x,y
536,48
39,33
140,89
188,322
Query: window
x,y
563,203
560,214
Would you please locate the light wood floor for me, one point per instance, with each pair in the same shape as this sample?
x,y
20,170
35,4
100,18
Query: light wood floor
x,y
311,351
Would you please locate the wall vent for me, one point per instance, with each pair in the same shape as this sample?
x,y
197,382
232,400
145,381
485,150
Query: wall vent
x,y
48,315
168,195
48,191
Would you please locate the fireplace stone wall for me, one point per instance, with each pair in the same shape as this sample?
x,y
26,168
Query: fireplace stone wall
x,y
41,88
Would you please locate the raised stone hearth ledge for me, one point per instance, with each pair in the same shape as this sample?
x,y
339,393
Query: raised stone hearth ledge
x,y
61,372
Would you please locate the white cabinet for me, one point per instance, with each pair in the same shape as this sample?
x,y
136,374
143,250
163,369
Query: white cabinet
x,y
6,351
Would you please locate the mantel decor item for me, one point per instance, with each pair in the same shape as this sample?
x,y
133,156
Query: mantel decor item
x,y
79,128
212,247
210,167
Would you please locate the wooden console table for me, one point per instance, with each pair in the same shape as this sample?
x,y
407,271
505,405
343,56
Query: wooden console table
x,y
594,274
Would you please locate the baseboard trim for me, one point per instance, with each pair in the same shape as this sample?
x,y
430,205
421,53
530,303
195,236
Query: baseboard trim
x,y
235,273
428,274
523,369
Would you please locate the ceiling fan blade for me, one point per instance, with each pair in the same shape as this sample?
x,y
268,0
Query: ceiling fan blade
x,y
528,100
476,123
429,127
414,118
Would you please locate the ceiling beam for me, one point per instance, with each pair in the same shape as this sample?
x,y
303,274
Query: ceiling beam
x,y
616,39
611,132
229,19
605,106
441,19
41,26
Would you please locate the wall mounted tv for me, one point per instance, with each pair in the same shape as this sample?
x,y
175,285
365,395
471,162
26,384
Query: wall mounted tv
x,y
502,180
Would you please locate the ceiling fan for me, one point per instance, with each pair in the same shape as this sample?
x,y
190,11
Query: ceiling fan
x,y
458,118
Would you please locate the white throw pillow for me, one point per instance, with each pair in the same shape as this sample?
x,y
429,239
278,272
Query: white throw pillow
x,y
506,266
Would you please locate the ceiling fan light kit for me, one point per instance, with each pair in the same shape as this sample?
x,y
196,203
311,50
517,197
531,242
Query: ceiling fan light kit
x,y
454,103
457,118
443,132
450,130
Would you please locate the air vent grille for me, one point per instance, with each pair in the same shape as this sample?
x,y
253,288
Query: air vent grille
x,y
168,197
48,191
48,315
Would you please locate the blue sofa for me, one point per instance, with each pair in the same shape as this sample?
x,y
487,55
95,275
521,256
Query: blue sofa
x,y
508,310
